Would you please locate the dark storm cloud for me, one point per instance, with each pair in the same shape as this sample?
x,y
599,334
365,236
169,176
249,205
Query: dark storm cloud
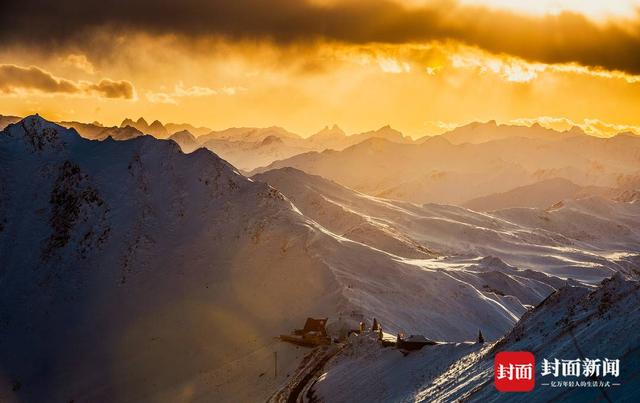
x,y
553,39
16,79
113,89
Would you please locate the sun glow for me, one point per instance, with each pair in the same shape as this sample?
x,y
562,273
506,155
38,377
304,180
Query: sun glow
x,y
597,9
473,61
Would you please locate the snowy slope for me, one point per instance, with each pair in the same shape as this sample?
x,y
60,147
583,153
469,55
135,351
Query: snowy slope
x,y
587,240
129,269
352,215
574,322
365,372
132,271
541,194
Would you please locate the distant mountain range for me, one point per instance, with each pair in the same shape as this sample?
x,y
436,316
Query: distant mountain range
x,y
245,147
546,193
484,166
476,133
439,171
7,120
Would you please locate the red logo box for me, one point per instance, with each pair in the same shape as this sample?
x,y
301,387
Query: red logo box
x,y
514,371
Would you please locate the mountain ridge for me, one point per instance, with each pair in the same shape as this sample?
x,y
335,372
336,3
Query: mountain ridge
x,y
129,260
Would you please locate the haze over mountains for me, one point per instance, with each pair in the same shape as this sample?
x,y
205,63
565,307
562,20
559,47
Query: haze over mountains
x,y
441,172
7,120
546,193
156,128
484,166
245,147
476,133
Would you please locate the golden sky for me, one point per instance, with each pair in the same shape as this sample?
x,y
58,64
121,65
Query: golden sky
x,y
420,65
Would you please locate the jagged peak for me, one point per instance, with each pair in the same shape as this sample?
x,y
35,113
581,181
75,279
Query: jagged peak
x,y
39,133
334,131
141,121
385,130
35,119
127,122
37,123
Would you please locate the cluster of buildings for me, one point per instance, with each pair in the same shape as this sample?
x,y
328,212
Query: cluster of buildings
x,y
314,333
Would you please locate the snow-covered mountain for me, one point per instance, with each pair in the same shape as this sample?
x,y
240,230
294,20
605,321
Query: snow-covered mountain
x,y
476,161
587,239
132,271
574,322
375,222
541,194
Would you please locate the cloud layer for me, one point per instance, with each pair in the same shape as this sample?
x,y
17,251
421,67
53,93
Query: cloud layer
x,y
563,38
19,80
